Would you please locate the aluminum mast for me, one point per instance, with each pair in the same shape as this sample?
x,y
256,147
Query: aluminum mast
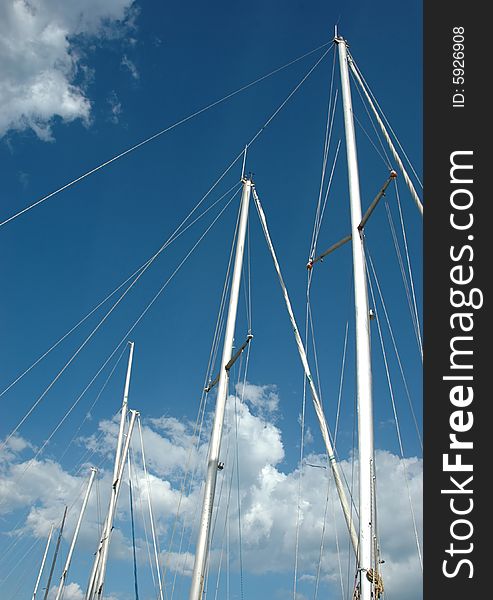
x,y
363,356
76,534
200,563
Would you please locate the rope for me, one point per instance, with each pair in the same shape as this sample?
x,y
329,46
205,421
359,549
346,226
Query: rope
x,y
158,134
396,419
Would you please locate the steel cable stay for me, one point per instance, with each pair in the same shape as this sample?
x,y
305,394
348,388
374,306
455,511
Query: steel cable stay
x,y
407,287
252,140
396,420
218,498
144,526
394,344
124,339
98,396
387,137
320,209
232,429
173,237
158,134
328,135
366,88
408,264
242,153
30,463
155,541
201,411
9,552
19,561
385,157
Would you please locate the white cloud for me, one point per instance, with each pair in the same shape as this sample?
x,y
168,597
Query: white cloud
x,y
42,73
268,495
115,107
130,65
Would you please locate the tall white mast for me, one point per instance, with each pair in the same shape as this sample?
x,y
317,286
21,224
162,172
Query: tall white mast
x,y
76,534
97,560
199,566
363,356
42,564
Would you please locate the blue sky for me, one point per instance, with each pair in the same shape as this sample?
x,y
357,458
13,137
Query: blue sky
x,y
131,72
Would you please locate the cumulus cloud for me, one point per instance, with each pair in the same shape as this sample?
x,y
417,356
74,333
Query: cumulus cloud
x,y
42,73
267,497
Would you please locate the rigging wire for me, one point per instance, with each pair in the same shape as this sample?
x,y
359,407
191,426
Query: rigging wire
x,y
408,263
259,132
202,405
146,536
386,160
40,398
407,289
173,237
131,501
237,447
125,337
368,89
328,132
155,542
321,549
88,413
396,420
158,134
281,106
341,382
399,362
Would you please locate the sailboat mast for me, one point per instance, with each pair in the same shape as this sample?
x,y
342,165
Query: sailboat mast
x,y
57,547
363,356
123,415
76,534
99,580
197,584
36,585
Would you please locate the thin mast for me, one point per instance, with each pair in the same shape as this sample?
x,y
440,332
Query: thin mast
x,y
199,566
76,534
42,564
55,555
363,356
98,588
123,416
